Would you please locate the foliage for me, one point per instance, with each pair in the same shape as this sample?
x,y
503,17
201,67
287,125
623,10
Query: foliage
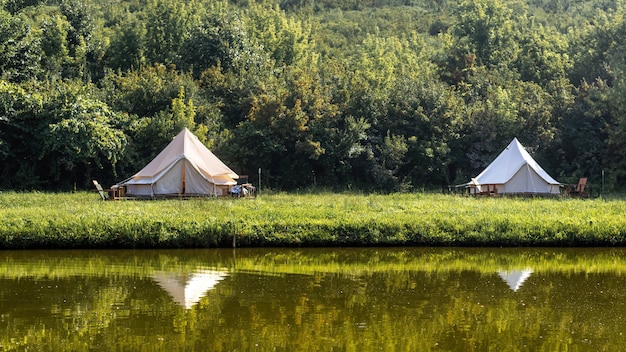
x,y
378,95
20,50
220,39
166,23
20,136
83,134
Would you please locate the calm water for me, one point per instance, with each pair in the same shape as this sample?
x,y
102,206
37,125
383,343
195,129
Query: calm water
x,y
391,299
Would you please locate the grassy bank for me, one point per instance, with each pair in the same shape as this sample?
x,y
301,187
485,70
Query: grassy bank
x,y
80,220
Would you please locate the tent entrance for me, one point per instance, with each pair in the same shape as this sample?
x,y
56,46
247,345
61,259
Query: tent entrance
x,y
183,177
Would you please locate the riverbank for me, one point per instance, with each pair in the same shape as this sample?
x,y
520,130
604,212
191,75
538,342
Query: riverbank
x,y
81,220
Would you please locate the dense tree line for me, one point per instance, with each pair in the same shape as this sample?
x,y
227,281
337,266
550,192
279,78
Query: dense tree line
x,y
379,95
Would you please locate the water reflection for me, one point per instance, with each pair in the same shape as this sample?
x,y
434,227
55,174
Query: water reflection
x,y
515,278
410,299
188,289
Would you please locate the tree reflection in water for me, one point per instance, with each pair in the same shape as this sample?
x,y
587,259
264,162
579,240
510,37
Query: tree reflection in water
x,y
450,299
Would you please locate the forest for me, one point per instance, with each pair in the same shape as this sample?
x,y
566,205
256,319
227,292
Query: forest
x,y
373,95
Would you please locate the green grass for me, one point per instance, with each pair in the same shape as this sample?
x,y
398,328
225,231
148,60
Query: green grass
x,y
81,220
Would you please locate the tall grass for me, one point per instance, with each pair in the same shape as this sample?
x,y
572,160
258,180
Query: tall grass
x,y
81,220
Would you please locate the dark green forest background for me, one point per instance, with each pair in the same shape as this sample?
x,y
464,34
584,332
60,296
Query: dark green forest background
x,y
382,95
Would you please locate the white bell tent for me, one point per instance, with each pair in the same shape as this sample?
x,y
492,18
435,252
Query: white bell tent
x,y
514,171
184,167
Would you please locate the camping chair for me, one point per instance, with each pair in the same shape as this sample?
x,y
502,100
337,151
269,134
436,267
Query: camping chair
x,y
103,194
579,189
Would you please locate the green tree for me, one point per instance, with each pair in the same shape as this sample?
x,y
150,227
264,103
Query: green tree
x,y
345,143
487,29
54,28
149,135
279,122
146,91
584,131
159,102
83,41
166,22
615,158
592,130
183,111
411,115
220,39
614,161
591,45
428,115
20,49
21,137
126,50
285,38
82,138
544,56
15,6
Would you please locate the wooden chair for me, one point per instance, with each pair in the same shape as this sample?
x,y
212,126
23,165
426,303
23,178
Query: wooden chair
x,y
579,189
103,193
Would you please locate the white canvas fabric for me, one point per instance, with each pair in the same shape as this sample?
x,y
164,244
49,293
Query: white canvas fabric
x,y
185,166
515,171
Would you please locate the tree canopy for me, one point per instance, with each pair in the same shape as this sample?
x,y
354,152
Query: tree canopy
x,y
376,95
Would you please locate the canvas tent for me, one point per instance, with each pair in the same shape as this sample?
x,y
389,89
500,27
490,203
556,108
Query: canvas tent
x,y
184,167
514,171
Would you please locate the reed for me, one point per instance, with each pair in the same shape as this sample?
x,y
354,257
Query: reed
x,y
80,220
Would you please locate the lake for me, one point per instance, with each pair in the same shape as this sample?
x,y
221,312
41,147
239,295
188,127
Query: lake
x,y
346,299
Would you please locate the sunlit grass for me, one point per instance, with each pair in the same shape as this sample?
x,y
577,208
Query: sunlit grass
x,y
80,220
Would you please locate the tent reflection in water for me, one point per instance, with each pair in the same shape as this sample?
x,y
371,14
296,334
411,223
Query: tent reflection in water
x,y
184,167
188,289
515,278
514,171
